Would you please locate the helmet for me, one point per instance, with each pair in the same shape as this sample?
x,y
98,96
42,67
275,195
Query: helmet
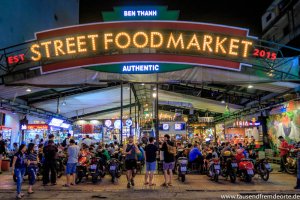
x,y
226,153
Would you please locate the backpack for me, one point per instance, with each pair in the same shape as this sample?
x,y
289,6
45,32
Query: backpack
x,y
171,149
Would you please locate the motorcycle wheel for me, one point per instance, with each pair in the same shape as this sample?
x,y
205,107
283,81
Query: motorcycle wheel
x,y
94,179
248,178
290,169
79,177
216,177
182,178
265,176
232,177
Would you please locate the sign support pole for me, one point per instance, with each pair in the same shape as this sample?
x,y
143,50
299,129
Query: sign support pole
x,y
121,125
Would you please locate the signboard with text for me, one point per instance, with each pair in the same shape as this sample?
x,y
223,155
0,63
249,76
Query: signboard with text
x,y
143,47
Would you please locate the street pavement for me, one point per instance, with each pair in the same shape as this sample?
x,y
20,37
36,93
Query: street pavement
x,y
195,187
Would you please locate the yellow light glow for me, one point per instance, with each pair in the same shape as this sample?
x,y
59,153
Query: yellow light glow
x,y
175,43
46,45
92,37
207,40
122,34
246,46
160,36
34,49
219,45
80,43
233,47
138,34
107,40
58,44
70,43
194,42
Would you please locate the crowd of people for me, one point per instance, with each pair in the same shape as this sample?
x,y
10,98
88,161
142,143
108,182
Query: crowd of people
x,y
26,158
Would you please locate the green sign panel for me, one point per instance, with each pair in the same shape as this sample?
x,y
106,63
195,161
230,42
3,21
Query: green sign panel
x,y
128,13
139,68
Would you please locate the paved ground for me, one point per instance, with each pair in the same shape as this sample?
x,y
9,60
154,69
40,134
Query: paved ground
x,y
195,187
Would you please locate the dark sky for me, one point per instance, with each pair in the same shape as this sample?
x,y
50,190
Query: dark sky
x,y
242,13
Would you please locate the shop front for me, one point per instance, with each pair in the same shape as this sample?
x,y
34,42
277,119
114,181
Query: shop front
x,y
245,132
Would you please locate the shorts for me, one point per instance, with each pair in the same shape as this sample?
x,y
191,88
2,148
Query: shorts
x,y
167,166
150,166
130,164
71,168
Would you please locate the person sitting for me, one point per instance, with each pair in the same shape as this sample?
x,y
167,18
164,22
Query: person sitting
x,y
195,156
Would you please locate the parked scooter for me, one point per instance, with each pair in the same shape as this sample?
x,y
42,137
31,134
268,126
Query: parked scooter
x,y
214,169
96,169
114,169
291,163
263,169
82,168
181,166
229,168
246,169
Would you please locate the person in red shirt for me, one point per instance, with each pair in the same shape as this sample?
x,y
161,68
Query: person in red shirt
x,y
284,150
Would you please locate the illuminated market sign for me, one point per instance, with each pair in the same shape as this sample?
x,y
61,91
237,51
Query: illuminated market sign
x,y
121,13
145,50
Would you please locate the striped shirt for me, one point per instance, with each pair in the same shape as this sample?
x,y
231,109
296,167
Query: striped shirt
x,y
32,157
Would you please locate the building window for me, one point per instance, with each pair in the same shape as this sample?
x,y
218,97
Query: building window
x,y
269,17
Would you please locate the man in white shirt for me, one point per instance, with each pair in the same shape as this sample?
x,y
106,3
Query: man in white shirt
x,y
87,141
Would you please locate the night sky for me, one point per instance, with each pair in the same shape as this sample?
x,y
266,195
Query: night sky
x,y
242,13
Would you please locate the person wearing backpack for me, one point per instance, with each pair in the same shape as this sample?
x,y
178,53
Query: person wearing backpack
x,y
169,150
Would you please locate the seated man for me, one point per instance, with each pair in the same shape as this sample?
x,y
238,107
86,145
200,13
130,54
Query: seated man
x,y
195,156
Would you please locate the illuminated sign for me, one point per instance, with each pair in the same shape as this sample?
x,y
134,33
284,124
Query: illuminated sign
x,y
144,50
15,59
140,13
37,126
140,68
242,123
108,123
128,122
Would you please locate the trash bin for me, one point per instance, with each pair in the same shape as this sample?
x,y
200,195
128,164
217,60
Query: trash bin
x,y
5,165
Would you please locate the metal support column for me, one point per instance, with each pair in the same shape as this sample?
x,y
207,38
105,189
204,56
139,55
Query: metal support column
x,y
156,115
135,122
130,128
121,128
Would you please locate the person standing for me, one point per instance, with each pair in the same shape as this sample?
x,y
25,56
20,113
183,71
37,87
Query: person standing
x,y
169,160
19,168
36,139
87,141
297,149
150,156
66,141
2,151
73,154
50,137
284,150
32,162
50,155
131,161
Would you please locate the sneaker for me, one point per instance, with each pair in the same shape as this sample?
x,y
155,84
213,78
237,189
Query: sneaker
x,y
19,196
132,182
128,185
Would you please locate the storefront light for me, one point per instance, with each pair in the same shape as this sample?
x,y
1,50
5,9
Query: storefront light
x,y
154,95
28,90
250,86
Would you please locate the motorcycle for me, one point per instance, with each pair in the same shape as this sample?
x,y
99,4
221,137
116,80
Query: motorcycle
x,y
291,163
229,168
60,166
181,166
246,169
82,169
114,169
96,169
263,169
214,169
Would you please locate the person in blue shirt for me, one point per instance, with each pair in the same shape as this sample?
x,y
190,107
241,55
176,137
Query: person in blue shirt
x,y
195,156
